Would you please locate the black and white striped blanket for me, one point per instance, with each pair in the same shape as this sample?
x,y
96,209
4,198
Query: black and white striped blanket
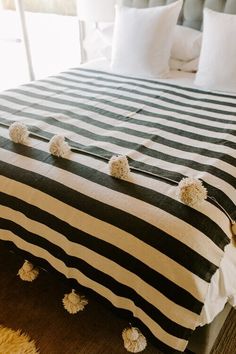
x,y
131,241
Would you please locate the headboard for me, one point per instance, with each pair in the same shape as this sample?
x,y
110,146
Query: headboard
x,y
191,15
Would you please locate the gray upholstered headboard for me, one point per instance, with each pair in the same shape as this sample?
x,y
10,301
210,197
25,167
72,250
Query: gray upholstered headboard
x,y
191,15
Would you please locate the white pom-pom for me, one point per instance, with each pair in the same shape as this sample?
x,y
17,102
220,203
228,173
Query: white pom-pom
x,y
58,146
119,166
27,272
74,303
18,132
134,340
191,191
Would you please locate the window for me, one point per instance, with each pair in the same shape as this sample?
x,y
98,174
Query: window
x,y
52,30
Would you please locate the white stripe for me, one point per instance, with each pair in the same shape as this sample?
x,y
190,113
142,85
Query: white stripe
x,y
117,301
146,181
164,121
112,109
190,100
78,88
120,238
126,137
101,94
153,161
153,85
153,215
175,313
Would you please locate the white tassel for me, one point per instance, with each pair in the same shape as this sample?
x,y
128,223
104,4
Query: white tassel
x,y
58,146
191,191
119,166
18,132
74,303
27,272
134,340
233,228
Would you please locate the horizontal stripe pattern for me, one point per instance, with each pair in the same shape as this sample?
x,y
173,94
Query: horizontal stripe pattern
x,y
130,240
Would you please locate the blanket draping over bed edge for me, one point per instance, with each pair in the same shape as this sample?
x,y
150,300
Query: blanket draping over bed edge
x,y
131,241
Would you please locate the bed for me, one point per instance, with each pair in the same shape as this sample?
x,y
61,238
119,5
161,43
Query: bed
x,y
168,266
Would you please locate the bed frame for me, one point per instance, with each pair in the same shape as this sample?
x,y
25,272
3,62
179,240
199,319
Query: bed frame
x,y
204,338
192,11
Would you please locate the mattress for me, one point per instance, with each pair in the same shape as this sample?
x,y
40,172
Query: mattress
x,y
131,240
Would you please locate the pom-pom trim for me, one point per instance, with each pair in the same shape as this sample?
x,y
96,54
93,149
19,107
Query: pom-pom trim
x,y
119,166
134,340
58,146
18,132
191,191
28,272
233,228
74,302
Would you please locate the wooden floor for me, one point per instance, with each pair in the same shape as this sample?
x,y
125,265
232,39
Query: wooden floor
x,y
36,308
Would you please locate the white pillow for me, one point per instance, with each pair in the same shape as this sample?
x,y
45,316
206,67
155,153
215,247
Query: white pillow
x,y
142,40
186,43
106,31
217,64
185,49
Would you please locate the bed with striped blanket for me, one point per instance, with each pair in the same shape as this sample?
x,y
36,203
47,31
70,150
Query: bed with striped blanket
x,y
129,240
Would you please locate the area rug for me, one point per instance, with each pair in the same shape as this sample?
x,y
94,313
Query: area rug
x,y
16,342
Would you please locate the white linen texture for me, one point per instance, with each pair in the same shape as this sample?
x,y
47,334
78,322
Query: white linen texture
x,y
143,39
217,68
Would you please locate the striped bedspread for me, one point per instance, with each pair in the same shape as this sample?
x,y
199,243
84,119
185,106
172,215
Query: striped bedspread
x,y
131,241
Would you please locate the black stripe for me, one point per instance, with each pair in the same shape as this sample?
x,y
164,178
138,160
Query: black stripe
x,y
175,144
150,152
165,243
142,149
102,278
143,102
176,90
146,103
184,212
154,82
72,283
155,172
141,230
58,190
95,109
106,87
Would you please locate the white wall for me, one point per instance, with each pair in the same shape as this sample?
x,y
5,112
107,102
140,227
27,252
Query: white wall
x,y
66,7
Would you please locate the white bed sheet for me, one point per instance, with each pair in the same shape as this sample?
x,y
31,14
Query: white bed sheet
x,y
222,288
